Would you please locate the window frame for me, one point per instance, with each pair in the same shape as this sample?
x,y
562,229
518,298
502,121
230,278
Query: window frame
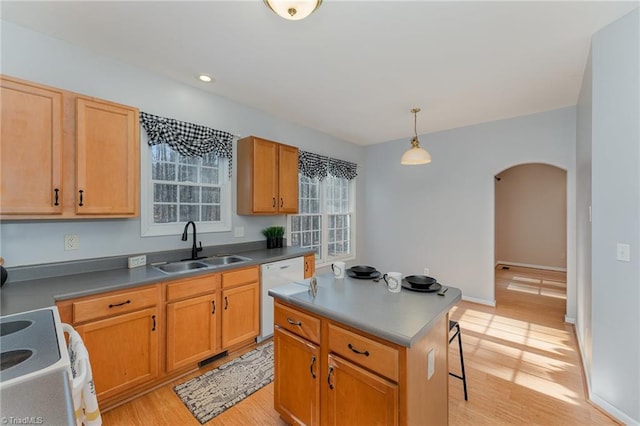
x,y
325,259
150,229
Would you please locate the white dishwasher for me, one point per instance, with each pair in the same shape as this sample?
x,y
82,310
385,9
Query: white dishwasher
x,y
273,275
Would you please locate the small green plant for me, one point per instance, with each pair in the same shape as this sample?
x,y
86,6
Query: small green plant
x,y
275,235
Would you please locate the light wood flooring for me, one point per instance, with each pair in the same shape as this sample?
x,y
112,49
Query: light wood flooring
x,y
522,363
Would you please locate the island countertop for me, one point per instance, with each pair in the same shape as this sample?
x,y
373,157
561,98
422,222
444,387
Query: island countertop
x,y
401,318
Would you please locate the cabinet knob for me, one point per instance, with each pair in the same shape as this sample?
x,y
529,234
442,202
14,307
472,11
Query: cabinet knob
x,y
281,202
274,202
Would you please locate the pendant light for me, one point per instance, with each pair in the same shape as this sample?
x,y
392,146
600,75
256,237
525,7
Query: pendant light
x,y
415,155
293,10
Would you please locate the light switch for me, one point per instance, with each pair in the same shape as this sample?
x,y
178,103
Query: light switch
x,y
623,252
238,231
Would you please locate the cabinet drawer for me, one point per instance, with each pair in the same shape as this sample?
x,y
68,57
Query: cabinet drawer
x,y
297,322
193,287
241,276
113,304
366,352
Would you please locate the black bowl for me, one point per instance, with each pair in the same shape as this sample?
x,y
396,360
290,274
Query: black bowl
x,y
420,281
362,270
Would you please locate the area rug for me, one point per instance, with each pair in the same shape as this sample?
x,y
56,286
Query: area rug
x,y
212,393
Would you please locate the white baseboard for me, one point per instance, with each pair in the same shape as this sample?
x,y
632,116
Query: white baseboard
x,y
491,303
570,320
528,265
613,411
595,399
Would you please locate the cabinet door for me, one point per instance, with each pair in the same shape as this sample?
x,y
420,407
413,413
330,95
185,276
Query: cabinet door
x,y
191,330
288,179
296,380
107,158
265,176
356,396
123,350
240,314
309,265
30,149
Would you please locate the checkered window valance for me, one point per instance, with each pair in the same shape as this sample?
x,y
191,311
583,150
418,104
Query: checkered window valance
x,y
188,139
318,166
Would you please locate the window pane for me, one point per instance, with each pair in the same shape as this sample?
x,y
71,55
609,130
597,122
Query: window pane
x,y
189,194
210,160
187,173
165,193
164,213
210,213
189,212
211,195
163,171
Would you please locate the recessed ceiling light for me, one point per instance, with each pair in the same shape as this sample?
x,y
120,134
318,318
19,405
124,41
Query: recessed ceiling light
x,y
205,78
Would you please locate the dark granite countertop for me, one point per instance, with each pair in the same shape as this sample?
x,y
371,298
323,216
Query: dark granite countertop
x,y
26,295
367,305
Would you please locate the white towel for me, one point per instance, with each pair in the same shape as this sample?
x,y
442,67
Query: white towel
x,y
85,402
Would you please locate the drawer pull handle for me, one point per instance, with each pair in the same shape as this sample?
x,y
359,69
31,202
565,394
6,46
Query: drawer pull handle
x,y
81,198
274,202
281,202
226,303
365,353
292,322
213,303
56,203
329,377
119,304
313,361
153,317
306,266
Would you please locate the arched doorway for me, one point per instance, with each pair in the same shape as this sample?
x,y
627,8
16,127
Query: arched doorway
x,y
531,234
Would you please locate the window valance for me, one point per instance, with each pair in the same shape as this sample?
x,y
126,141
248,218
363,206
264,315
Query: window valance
x,y
192,140
319,166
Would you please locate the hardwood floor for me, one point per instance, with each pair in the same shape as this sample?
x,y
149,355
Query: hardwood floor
x,y
521,359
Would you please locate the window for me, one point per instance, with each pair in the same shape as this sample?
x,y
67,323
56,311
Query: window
x,y
325,221
180,188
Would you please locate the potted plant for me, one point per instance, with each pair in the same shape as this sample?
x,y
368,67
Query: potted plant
x,y
275,236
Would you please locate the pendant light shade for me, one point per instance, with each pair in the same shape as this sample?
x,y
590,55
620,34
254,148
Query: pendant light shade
x,y
415,155
293,10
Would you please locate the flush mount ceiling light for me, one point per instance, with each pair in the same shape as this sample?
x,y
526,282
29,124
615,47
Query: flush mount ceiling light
x,y
415,155
293,10
205,78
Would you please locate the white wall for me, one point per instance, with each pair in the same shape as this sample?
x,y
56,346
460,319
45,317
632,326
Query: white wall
x,y
441,215
33,56
615,374
531,216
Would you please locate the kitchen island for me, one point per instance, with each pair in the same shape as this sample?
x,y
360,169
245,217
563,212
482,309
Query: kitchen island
x,y
359,354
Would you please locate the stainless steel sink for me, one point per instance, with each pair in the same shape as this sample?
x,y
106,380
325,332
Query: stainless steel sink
x,y
213,262
225,260
181,267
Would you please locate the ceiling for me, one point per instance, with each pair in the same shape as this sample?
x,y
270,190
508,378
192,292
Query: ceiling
x,y
353,69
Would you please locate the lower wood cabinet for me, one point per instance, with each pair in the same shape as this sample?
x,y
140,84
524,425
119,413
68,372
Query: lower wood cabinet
x,y
192,330
357,396
123,350
240,314
297,367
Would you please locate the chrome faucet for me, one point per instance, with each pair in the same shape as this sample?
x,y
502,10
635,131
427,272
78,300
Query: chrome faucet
x,y
194,249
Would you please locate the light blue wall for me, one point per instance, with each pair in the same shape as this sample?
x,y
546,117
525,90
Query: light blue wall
x,y
441,215
615,374
33,56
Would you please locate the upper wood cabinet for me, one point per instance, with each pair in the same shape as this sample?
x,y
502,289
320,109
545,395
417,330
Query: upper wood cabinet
x,y
30,149
66,156
267,177
107,158
309,265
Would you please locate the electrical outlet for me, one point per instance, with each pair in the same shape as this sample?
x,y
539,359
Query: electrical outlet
x,y
136,261
431,363
426,271
238,231
71,242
